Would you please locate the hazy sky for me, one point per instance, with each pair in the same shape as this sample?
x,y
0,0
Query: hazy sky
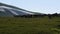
x,y
42,6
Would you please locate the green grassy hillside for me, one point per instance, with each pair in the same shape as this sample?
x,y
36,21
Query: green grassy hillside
x,y
43,25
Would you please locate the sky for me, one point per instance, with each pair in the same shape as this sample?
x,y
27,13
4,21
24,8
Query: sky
x,y
41,6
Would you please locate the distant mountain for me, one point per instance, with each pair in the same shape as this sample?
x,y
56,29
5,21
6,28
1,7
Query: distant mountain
x,y
8,10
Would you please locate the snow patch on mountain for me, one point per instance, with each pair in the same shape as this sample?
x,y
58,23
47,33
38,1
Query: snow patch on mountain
x,y
14,12
5,7
1,9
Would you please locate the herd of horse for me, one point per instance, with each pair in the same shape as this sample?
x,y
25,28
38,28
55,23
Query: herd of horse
x,y
39,15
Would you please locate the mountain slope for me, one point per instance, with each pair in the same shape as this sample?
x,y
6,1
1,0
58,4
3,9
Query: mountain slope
x,y
8,10
5,13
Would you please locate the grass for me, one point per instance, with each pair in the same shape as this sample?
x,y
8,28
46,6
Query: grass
x,y
43,25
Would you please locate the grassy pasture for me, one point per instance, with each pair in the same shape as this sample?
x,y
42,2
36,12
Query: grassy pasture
x,y
18,25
